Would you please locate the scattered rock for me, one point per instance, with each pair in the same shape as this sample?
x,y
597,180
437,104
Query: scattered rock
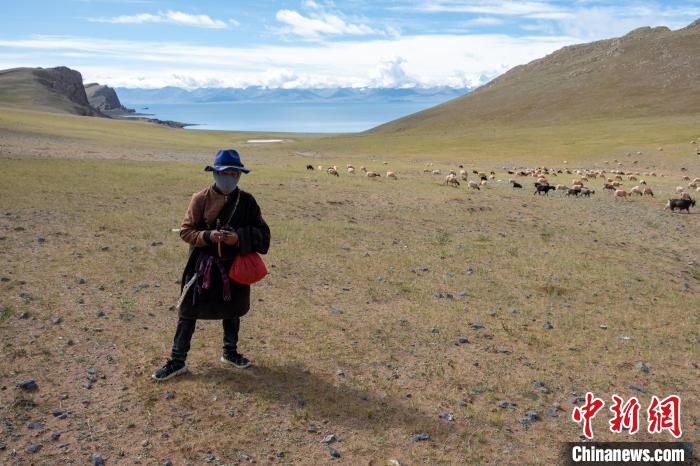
x,y
421,437
438,294
156,243
81,281
25,295
57,320
55,435
41,239
538,384
445,416
24,315
548,325
312,429
340,373
636,388
33,448
97,460
100,313
532,415
28,385
169,395
552,412
642,367
503,349
476,325
333,452
505,404
35,425
335,310
435,330
59,414
329,439
104,248
462,340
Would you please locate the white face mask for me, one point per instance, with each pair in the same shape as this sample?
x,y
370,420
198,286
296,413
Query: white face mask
x,y
226,183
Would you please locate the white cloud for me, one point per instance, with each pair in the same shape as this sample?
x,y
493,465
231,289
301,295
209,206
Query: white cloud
x,y
319,24
491,7
390,73
484,21
170,16
426,60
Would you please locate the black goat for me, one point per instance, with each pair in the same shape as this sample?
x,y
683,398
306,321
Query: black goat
x,y
680,204
309,167
573,192
517,185
483,178
543,188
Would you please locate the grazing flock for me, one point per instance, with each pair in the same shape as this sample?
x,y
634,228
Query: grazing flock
x,y
612,181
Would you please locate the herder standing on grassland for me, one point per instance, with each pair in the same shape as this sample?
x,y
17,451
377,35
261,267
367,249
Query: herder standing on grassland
x,y
222,223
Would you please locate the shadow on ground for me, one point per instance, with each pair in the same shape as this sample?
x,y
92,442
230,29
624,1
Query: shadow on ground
x,y
297,388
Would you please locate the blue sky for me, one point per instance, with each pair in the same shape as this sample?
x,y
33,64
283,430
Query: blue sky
x,y
310,43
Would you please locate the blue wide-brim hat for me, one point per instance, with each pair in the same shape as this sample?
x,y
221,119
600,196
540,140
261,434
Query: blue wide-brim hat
x,y
226,159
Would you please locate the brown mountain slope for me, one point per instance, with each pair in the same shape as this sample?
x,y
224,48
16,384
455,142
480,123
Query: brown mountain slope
x,y
648,72
49,89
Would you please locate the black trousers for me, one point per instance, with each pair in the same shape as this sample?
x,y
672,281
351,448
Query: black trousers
x,y
185,329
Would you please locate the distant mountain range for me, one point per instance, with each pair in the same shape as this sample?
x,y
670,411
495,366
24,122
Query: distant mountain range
x,y
176,95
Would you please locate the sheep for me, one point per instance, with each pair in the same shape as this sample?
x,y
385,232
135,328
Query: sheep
x,y
696,180
648,192
636,190
697,189
474,185
333,171
686,178
483,177
642,182
371,174
685,196
492,177
542,180
561,187
309,167
680,204
349,166
391,175
436,172
351,170
616,183
692,185
587,192
516,185
484,182
452,181
320,167
363,169
680,189
573,192
452,172
632,178
620,193
618,177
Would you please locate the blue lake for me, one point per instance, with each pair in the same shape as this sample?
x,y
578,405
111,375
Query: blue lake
x,y
296,117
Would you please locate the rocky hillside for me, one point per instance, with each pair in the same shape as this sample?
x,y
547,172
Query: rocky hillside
x,y
647,72
51,89
104,99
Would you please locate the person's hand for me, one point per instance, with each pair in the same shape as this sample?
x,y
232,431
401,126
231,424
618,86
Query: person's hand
x,y
230,237
216,236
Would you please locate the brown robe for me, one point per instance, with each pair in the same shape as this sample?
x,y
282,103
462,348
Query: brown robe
x,y
253,236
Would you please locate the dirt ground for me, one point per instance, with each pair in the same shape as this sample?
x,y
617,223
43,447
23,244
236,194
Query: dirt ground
x,y
393,308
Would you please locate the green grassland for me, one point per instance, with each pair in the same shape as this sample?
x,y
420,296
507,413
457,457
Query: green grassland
x,y
346,333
